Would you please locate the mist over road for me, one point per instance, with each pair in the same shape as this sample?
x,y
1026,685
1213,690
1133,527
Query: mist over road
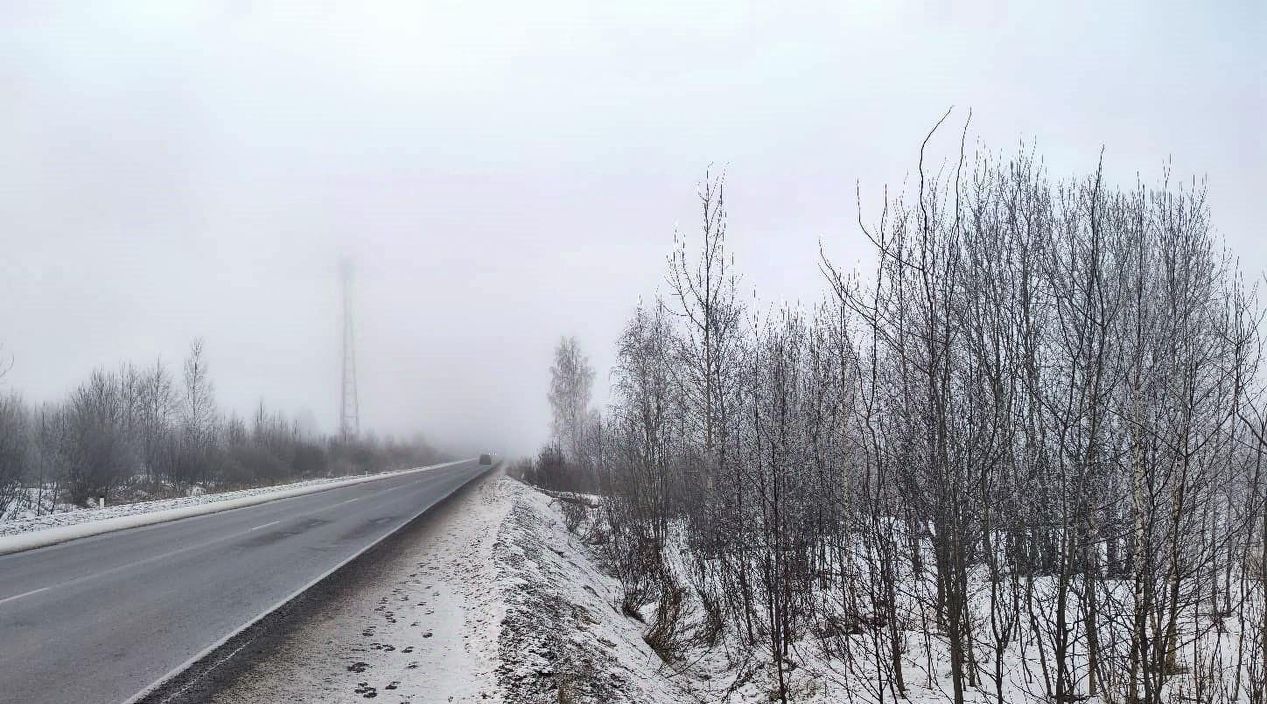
x,y
102,618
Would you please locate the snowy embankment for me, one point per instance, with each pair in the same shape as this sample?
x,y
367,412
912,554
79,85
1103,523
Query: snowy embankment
x,y
50,529
563,637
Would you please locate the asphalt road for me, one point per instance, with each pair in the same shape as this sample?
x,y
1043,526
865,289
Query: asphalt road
x,y
101,618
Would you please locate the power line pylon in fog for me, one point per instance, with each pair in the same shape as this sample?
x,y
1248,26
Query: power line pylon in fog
x,y
349,414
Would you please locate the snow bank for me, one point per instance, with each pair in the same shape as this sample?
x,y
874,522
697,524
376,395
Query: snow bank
x,y
16,536
563,636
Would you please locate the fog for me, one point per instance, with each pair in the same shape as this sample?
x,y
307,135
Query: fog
x,y
506,173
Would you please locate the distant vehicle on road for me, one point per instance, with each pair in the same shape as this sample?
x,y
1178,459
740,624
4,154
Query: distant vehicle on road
x,y
486,459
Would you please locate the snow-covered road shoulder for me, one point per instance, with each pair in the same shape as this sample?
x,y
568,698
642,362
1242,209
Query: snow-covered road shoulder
x,y
416,623
17,536
563,636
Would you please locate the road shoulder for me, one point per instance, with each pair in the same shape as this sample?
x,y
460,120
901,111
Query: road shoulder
x,y
420,623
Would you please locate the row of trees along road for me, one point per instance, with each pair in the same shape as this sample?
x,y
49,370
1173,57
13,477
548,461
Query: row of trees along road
x,y
1030,431
141,432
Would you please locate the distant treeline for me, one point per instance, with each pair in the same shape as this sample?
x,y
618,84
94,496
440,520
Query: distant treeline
x,y
140,432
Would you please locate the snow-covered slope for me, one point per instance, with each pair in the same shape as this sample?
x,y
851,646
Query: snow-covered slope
x,y
563,637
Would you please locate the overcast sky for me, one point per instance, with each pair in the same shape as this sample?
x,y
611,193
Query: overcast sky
x,y
504,173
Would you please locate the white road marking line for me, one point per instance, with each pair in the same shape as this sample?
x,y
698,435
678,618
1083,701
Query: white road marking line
x,y
156,558
6,554
19,596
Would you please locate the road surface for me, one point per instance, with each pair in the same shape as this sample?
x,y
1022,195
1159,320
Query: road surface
x,y
101,618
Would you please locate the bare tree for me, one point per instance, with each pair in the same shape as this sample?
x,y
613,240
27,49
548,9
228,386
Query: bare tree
x,y
571,385
158,404
14,450
98,449
199,419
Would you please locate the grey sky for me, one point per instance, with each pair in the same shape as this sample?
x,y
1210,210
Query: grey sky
x,y
504,173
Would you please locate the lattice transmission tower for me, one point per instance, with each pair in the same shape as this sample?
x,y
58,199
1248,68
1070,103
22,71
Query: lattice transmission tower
x,y
349,413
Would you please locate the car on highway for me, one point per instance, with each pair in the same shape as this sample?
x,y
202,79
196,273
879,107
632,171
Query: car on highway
x,y
486,459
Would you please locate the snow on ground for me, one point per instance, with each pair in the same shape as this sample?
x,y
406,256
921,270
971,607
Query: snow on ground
x,y
564,638
421,625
